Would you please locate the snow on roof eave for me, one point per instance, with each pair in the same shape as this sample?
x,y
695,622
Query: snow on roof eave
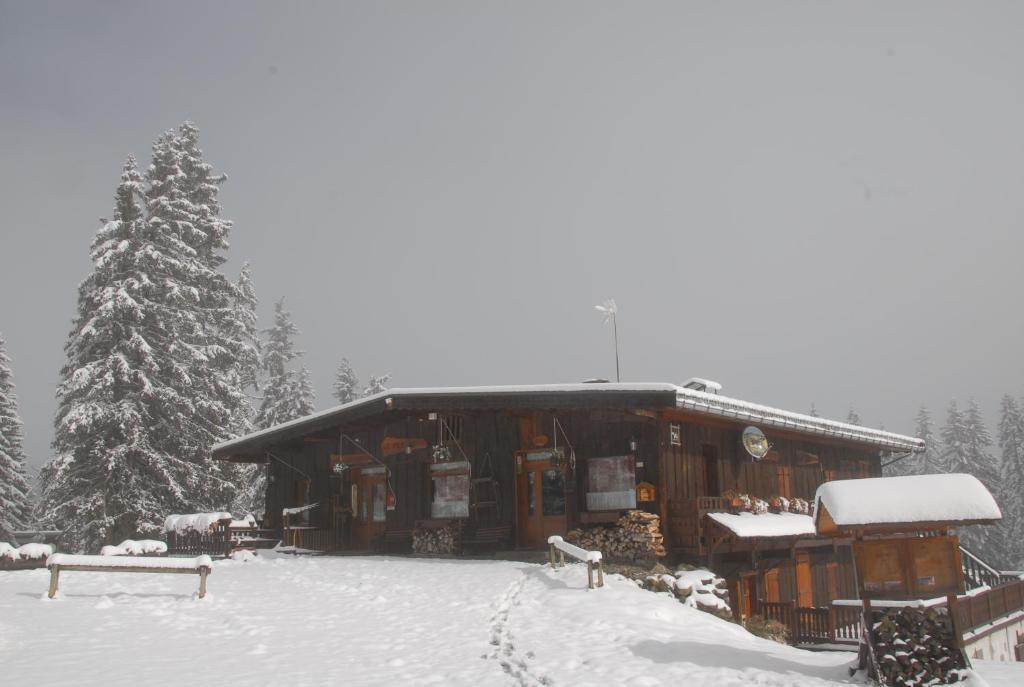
x,y
725,406
451,390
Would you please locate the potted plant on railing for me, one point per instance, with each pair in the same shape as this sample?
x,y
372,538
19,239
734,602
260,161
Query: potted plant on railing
x,y
778,504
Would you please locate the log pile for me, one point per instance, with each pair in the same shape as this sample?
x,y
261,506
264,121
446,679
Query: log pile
x,y
435,539
636,536
916,647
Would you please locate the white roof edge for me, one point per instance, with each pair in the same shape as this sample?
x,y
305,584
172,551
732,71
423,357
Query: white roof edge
x,y
715,404
467,390
691,399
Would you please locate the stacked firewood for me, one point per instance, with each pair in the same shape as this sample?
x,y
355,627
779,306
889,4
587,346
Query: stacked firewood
x,y
637,535
915,647
435,540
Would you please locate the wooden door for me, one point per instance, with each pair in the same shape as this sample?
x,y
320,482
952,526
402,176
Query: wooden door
x,y
804,584
368,507
540,498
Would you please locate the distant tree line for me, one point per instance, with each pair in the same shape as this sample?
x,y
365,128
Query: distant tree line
x,y
964,444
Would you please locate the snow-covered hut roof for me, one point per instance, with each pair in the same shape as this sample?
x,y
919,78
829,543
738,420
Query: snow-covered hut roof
x,y
609,394
765,525
908,503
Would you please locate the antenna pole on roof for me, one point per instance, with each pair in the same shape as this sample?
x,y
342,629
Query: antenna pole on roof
x,y
610,310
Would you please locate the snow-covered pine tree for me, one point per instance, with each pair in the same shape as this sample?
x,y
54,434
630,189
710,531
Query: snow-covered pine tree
x,y
967,441
114,473
919,463
852,417
15,510
376,385
814,411
186,202
243,329
286,395
1011,491
346,384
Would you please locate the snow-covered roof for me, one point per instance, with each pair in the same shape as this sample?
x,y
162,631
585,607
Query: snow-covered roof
x,y
891,501
685,399
716,404
749,525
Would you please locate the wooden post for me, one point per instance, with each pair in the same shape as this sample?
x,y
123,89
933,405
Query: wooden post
x,y
600,574
794,622
54,575
590,574
203,572
551,554
951,607
561,557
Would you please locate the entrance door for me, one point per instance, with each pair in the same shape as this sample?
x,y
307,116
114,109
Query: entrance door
x,y
540,497
368,507
804,586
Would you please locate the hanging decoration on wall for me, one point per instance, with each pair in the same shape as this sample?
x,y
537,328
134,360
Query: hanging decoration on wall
x,y
392,446
441,453
755,442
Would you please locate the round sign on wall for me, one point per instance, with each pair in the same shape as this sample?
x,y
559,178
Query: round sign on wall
x,y
755,442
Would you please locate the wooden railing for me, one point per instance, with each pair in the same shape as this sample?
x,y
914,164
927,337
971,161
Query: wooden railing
x,y
978,573
816,625
592,558
986,607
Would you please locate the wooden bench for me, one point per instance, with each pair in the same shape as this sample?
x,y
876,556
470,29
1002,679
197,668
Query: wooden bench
x,y
201,565
488,536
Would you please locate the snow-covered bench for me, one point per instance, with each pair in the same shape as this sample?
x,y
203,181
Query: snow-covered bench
x,y
200,565
24,556
591,558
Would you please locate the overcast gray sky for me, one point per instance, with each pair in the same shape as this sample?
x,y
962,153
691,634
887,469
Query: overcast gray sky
x,y
808,202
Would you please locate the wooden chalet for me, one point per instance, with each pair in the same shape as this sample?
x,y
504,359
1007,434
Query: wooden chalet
x,y
505,467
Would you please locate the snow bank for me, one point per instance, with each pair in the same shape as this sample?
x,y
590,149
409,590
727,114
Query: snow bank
x,y
194,522
915,498
25,551
131,561
765,524
130,547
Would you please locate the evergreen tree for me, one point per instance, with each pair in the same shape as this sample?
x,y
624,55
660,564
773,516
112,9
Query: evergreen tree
x,y
814,411
967,441
852,417
286,395
376,385
346,384
15,511
156,359
243,329
182,202
1011,491
113,474
924,462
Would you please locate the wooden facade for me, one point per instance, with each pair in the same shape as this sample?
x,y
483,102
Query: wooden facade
x,y
530,462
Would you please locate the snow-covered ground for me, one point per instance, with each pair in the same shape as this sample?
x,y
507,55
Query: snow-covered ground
x,y
367,621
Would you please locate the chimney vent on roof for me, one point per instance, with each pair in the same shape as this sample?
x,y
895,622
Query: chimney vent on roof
x,y
706,385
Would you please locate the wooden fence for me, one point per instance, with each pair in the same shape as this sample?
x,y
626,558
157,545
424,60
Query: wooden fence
x,y
985,607
816,625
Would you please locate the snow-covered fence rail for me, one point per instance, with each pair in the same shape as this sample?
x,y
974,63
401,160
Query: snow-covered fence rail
x,y
816,625
201,565
24,556
591,558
